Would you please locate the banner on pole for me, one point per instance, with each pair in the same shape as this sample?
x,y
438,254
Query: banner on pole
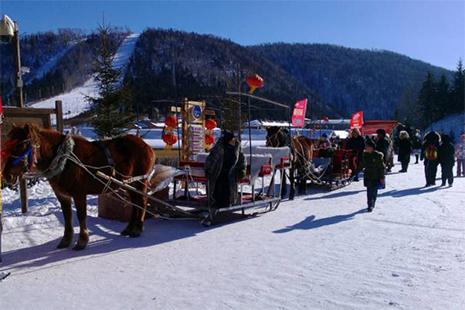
x,y
298,116
357,120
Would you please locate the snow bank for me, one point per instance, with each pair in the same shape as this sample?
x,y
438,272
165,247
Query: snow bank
x,y
74,101
453,123
321,251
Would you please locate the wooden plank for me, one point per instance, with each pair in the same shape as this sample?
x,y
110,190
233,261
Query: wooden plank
x,y
12,111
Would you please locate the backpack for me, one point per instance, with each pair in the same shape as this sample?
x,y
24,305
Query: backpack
x,y
431,152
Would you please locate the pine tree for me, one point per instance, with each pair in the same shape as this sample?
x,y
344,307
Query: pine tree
x,y
112,115
458,89
442,105
426,100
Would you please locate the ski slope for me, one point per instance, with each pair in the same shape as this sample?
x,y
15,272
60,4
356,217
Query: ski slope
x,y
74,101
320,251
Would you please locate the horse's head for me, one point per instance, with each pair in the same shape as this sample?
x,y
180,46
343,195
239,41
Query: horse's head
x,y
19,151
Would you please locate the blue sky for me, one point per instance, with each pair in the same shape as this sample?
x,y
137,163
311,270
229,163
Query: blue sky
x,y
432,31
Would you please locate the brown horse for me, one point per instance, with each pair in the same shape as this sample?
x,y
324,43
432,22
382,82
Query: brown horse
x,y
30,149
302,155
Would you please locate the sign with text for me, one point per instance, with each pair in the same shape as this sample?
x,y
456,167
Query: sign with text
x,y
298,115
357,120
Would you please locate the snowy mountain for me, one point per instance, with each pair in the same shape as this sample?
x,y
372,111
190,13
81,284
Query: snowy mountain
x,y
74,101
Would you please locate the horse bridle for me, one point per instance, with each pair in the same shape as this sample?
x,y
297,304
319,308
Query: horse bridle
x,y
26,157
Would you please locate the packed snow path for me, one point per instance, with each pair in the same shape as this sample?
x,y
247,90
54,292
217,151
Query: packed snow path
x,y
321,251
74,101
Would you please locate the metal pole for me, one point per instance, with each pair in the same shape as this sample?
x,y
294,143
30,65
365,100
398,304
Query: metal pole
x,y
19,80
250,147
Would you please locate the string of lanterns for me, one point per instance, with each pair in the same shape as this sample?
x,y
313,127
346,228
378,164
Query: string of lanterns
x,y
210,124
168,135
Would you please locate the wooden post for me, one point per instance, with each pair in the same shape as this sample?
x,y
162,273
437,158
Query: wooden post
x,y
23,195
59,115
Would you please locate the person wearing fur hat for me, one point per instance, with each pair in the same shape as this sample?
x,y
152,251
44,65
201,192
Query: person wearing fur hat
x,y
460,155
224,166
405,150
373,172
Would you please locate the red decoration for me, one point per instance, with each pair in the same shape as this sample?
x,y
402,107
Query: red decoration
x,y
254,81
171,121
209,139
210,124
169,138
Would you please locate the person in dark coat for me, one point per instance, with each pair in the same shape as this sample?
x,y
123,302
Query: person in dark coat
x,y
224,166
405,150
373,168
356,144
446,160
383,145
430,156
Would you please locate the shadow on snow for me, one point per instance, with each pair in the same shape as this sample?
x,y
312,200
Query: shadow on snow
x,y
311,223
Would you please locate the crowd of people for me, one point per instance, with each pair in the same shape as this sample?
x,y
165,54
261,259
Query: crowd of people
x,y
372,156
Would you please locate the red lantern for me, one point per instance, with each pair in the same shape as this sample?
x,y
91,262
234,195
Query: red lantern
x,y
169,138
210,124
171,121
209,139
254,81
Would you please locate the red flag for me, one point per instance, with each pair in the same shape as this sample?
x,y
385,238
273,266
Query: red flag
x,y
298,116
357,120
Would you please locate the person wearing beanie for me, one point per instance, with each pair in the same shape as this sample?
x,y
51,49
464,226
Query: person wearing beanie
x,y
224,166
430,156
383,145
446,160
373,172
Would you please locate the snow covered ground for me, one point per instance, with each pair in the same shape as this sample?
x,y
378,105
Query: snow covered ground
x,y
321,251
74,102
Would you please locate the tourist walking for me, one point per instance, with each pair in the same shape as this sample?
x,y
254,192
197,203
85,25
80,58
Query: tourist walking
x,y
373,169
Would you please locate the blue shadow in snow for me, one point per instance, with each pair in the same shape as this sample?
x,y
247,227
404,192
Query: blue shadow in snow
x,y
311,223
408,192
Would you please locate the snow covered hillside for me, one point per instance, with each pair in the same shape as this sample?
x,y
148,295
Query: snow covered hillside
x,y
451,124
321,251
74,102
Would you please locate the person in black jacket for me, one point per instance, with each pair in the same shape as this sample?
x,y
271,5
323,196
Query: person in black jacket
x,y
373,168
446,160
405,150
356,143
430,156
383,145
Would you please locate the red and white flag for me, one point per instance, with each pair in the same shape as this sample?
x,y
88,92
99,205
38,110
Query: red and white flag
x,y
298,116
357,120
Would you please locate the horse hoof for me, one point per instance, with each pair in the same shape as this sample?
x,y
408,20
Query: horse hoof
x,y
134,235
79,246
125,232
64,243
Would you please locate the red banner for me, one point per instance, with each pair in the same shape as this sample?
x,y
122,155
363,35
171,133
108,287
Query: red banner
x,y
298,116
357,120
